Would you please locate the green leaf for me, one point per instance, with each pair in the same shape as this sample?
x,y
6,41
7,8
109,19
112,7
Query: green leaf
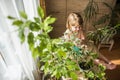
x,y
47,29
30,38
27,23
41,25
10,17
17,22
37,19
46,50
49,20
117,26
47,58
55,41
23,15
61,53
73,75
90,74
58,75
70,62
22,36
101,75
49,46
101,67
43,45
35,53
40,12
31,47
34,27
70,67
54,73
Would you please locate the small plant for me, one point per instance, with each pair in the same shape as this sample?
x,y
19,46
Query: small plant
x,y
57,57
90,10
105,33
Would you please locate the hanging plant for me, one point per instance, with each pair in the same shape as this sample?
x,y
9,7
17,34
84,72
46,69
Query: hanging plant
x,y
90,12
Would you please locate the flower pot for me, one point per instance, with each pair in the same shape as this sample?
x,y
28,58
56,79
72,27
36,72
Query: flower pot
x,y
93,79
84,65
79,78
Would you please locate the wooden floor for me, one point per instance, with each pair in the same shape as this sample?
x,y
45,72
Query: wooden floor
x,y
114,56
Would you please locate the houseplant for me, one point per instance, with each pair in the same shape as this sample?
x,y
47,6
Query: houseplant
x,y
90,13
105,33
57,57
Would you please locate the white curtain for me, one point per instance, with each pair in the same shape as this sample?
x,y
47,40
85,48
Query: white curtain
x,y
16,62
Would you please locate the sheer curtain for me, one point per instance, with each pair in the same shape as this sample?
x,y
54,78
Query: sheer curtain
x,y
16,62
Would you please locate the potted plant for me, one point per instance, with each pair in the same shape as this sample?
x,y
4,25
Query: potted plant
x,y
57,57
102,34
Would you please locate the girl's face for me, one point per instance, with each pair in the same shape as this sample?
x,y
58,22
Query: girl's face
x,y
75,28
73,22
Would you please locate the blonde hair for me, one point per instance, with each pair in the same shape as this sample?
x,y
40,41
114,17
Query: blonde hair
x,y
74,18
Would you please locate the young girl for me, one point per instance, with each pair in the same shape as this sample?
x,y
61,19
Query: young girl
x,y
75,30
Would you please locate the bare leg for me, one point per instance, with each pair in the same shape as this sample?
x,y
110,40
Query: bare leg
x,y
103,60
109,65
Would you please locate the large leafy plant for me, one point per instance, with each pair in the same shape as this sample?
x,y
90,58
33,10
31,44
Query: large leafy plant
x,y
57,57
53,54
